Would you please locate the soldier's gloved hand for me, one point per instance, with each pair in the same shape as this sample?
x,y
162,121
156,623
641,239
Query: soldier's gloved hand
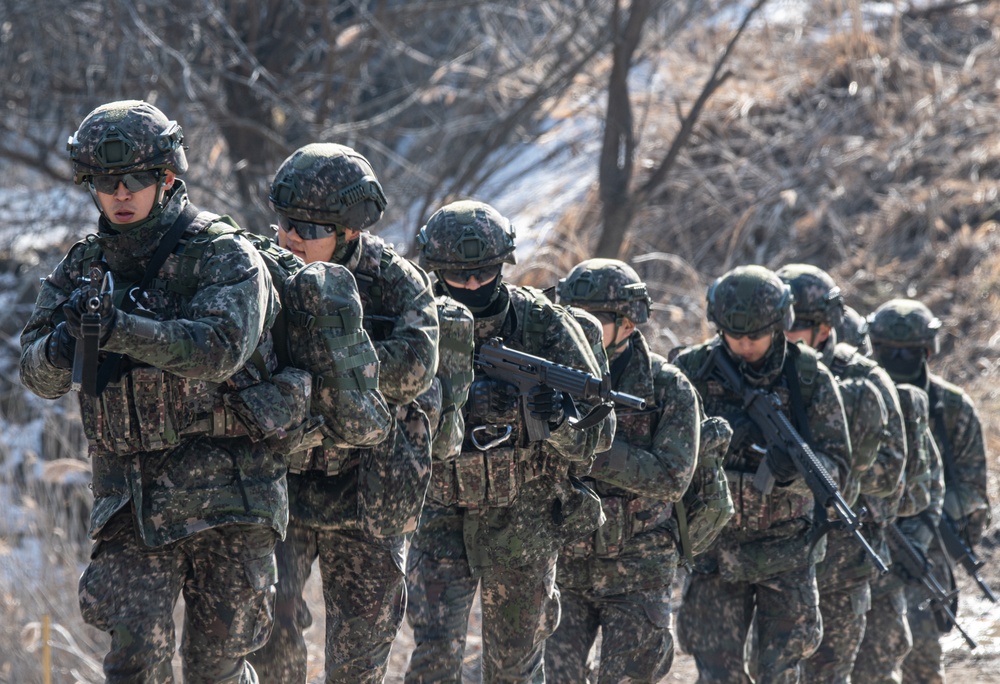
x,y
77,306
974,524
492,401
546,404
60,347
780,464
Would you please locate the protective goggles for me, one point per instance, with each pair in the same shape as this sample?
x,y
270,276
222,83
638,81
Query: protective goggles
x,y
134,182
306,229
905,355
605,317
483,275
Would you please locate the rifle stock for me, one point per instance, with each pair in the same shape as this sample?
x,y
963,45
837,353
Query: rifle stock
x,y
527,371
764,409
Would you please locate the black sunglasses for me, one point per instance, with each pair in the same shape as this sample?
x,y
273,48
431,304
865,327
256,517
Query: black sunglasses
x,y
904,354
306,229
134,182
483,275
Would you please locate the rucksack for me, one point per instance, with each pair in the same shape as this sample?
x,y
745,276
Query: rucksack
x,y
321,351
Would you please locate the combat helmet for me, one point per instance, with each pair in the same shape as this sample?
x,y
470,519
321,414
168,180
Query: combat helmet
x,y
750,300
854,331
817,297
329,184
122,137
606,285
466,235
904,323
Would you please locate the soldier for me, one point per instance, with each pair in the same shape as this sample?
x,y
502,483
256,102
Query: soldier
x,y
325,196
765,557
502,509
185,500
904,336
878,443
619,579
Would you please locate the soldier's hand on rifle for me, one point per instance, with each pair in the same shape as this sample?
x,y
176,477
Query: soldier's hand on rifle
x,y
973,525
77,306
492,401
546,404
780,464
61,347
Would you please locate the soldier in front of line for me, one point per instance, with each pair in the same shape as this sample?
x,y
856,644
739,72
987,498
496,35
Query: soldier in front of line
x,y
878,443
619,579
904,335
498,513
351,508
764,560
188,499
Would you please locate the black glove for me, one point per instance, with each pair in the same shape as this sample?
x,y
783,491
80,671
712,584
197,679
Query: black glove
x,y
546,404
77,306
780,464
61,347
492,402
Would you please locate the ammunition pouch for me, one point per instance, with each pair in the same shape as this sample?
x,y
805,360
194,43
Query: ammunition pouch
x,y
756,511
484,479
625,517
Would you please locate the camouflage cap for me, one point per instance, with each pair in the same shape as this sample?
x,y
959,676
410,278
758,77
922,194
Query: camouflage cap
x,y
606,285
750,300
466,235
328,183
126,137
817,297
904,323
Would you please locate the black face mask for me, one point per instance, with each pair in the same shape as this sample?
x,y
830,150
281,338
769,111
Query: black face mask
x,y
477,300
904,364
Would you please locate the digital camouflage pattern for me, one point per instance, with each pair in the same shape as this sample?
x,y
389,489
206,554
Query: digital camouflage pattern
x,y
619,578
150,450
817,297
887,638
904,323
606,285
352,510
126,137
853,330
466,234
765,554
496,519
328,183
750,300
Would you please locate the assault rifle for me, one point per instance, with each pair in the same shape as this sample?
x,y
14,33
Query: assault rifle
x,y
98,283
961,552
764,409
527,371
916,565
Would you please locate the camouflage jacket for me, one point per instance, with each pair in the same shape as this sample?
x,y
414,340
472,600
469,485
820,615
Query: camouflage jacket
x,y
880,480
958,433
787,511
923,476
528,505
649,466
178,356
401,319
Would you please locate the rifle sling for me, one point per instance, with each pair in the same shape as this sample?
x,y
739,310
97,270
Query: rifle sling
x,y
112,362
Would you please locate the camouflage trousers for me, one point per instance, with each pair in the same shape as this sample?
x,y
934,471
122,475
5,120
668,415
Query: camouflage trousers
x,y
887,636
714,620
226,575
520,607
844,613
636,645
925,662
364,594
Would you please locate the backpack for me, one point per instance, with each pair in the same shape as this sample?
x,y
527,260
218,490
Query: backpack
x,y
323,360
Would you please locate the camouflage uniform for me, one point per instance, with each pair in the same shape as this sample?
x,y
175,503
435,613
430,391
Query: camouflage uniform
x,y
185,501
499,512
878,444
765,557
904,335
339,509
887,638
619,579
